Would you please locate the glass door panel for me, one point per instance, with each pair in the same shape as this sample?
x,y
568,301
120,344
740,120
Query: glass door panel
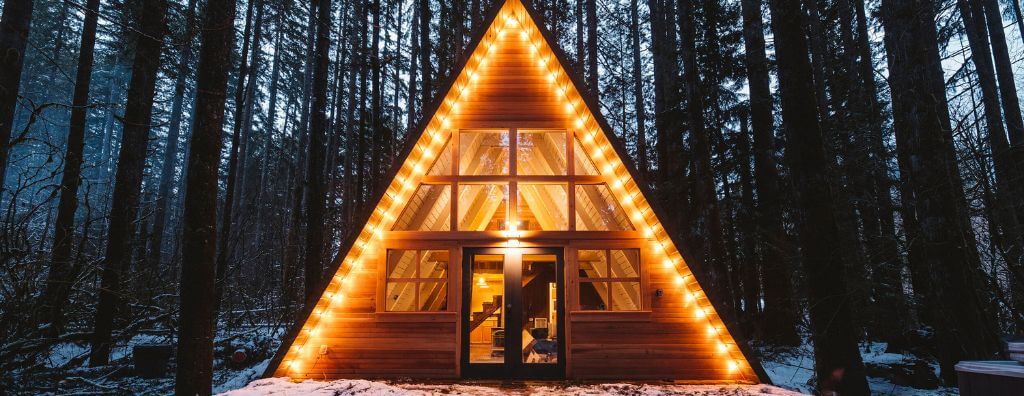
x,y
539,325
486,309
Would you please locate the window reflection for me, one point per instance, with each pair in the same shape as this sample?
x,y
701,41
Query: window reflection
x,y
483,153
540,153
609,280
482,207
543,207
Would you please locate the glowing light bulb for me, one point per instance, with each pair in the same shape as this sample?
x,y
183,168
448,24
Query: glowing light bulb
x,y
580,122
712,331
637,216
679,280
569,108
722,347
648,232
699,313
691,297
523,36
733,366
417,169
668,263
427,153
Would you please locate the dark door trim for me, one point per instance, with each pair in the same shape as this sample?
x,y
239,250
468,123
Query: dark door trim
x,y
513,367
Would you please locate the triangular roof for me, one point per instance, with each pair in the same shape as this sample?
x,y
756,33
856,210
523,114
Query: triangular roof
x,y
598,141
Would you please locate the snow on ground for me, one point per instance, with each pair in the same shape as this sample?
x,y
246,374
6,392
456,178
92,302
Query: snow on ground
x,y
281,386
793,370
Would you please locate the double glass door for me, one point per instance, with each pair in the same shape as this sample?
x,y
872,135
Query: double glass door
x,y
512,313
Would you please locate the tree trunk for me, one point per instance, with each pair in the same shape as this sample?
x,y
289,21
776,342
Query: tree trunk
x,y
1015,128
62,270
835,341
667,114
227,217
426,67
747,219
638,89
317,137
14,29
128,181
198,265
877,212
780,311
414,57
170,160
705,228
592,77
580,51
964,325
1006,221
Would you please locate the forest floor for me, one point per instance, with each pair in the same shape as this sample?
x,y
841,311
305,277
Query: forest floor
x,y
63,371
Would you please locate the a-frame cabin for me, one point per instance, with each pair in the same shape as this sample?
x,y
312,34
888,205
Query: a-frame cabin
x,y
514,242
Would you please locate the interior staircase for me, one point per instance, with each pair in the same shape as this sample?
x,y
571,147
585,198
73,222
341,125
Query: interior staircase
x,y
490,309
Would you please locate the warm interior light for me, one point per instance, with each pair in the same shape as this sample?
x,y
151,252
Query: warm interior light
x,y
481,283
722,347
679,280
733,366
699,313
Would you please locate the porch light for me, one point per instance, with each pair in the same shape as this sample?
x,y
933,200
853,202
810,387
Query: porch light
x,y
481,283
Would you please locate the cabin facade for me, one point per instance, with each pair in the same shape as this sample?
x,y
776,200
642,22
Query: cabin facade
x,y
513,242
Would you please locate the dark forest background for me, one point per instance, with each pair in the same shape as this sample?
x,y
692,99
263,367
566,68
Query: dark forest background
x,y
844,171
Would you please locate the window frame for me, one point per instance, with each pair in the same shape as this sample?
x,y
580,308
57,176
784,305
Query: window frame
x,y
579,280
418,280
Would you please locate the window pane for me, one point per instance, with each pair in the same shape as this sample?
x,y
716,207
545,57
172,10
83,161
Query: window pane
x,y
433,296
433,264
429,209
540,153
401,296
443,164
626,296
483,153
482,207
539,313
583,164
486,312
401,264
543,207
625,263
594,296
598,210
592,263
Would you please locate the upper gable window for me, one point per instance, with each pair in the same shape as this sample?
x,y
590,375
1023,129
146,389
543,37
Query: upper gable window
x,y
540,153
483,153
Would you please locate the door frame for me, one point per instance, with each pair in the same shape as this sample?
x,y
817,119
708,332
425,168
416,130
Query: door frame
x,y
512,368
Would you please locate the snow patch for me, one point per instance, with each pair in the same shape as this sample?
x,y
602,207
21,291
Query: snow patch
x,y
282,386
